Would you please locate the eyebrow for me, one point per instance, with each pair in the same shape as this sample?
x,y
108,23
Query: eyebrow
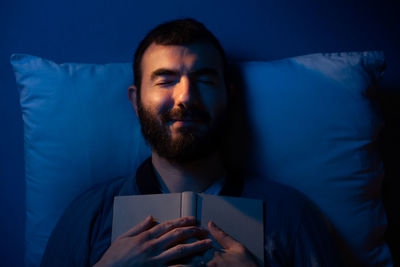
x,y
163,72
171,72
205,71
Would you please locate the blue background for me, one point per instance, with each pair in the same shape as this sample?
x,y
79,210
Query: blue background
x,y
109,31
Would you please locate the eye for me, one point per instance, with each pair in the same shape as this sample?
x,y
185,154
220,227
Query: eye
x,y
206,80
165,82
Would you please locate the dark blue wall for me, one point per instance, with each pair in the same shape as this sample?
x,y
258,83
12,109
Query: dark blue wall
x,y
103,31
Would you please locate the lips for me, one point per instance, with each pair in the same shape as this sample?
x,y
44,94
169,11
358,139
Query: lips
x,y
186,116
191,120
188,122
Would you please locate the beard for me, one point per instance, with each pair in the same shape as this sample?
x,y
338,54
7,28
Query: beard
x,y
190,143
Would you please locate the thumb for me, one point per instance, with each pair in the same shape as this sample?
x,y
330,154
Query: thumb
x,y
225,240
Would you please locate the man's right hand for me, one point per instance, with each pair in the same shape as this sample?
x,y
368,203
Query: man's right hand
x,y
147,244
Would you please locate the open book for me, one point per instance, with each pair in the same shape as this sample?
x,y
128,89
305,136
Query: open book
x,y
241,218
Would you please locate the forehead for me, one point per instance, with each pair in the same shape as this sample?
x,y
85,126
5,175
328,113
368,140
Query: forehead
x,y
181,57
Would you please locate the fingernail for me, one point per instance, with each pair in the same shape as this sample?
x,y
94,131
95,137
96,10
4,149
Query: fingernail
x,y
215,226
151,218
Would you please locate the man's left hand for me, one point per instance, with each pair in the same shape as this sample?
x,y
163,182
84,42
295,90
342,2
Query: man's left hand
x,y
235,254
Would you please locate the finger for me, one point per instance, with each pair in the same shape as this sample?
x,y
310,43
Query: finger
x,y
167,226
184,250
225,240
139,228
179,235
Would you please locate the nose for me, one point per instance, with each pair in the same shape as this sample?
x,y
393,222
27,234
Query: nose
x,y
185,92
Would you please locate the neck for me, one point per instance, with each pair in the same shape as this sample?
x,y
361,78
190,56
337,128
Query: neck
x,y
193,176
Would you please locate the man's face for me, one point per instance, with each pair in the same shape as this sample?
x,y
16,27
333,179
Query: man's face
x,y
183,100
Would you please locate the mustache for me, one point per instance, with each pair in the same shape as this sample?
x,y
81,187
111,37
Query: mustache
x,y
185,114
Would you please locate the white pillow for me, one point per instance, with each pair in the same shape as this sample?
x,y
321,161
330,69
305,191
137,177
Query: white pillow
x,y
313,126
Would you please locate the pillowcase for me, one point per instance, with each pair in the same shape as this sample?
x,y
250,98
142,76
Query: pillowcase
x,y
312,125
315,129
79,129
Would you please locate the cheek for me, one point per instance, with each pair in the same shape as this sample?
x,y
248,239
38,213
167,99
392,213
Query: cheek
x,y
156,101
217,102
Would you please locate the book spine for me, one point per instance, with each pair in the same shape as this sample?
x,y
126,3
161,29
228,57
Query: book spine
x,y
188,204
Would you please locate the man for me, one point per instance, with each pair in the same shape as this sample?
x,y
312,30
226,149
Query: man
x,y
182,98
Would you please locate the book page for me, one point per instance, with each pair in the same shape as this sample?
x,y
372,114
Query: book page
x,y
131,210
241,218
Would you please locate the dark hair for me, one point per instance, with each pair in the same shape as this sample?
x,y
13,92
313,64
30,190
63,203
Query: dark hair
x,y
176,32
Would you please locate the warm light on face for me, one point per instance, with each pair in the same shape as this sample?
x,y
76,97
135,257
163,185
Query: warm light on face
x,y
183,95
183,76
